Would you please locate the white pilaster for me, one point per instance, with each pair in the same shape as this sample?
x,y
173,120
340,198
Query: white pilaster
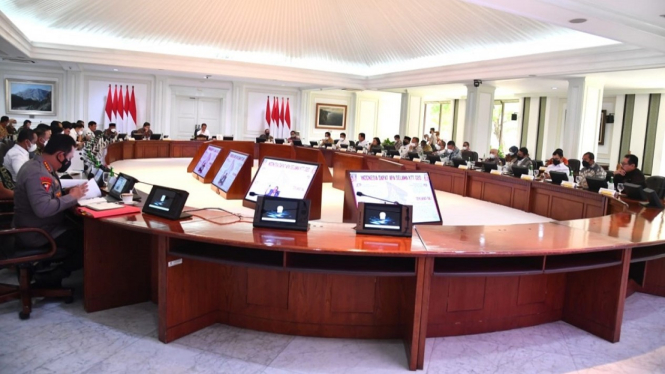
x,y
478,119
659,154
615,148
585,100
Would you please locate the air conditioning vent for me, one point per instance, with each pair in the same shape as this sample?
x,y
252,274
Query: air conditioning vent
x,y
19,60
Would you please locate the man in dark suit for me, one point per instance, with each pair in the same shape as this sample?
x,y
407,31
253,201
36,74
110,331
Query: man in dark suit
x,y
629,173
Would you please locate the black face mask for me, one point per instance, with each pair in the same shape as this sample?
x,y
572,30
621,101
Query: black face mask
x,y
586,164
65,165
520,158
556,162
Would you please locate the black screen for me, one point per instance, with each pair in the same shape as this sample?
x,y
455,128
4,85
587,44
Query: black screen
x,y
383,217
162,200
277,210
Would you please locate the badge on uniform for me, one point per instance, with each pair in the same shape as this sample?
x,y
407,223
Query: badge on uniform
x,y
46,183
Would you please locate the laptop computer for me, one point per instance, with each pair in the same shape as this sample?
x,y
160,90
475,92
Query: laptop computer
x,y
558,177
518,171
595,184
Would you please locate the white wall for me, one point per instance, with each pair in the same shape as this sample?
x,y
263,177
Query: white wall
x,y
308,129
96,90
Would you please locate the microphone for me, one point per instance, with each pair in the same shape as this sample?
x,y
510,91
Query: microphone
x,y
359,193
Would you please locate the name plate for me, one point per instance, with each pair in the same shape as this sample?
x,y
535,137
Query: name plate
x,y
495,172
606,192
396,157
361,151
439,163
568,184
416,159
329,147
463,167
527,177
542,168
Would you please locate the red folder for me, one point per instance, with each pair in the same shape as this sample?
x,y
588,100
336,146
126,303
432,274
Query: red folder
x,y
87,212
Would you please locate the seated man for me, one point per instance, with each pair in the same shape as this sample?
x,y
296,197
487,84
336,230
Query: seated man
x,y
4,122
11,127
466,146
557,164
40,202
203,131
563,159
26,124
145,131
43,132
19,154
327,140
111,132
362,142
404,147
629,173
425,146
398,141
290,139
89,133
494,158
522,158
590,169
451,152
342,140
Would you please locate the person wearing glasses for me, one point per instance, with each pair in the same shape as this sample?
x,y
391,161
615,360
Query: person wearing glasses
x,y
629,173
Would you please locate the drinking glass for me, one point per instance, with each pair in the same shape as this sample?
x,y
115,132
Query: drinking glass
x,y
105,177
536,172
620,187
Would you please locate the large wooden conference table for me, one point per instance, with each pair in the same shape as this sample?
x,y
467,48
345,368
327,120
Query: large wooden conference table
x,y
446,280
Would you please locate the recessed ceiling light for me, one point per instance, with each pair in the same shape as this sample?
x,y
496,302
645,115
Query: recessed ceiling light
x,y
577,20
662,15
554,88
115,69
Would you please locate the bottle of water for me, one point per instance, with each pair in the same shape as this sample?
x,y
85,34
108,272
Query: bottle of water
x,y
531,169
611,184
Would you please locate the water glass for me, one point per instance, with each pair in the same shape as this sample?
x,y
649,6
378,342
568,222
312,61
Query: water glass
x,y
620,187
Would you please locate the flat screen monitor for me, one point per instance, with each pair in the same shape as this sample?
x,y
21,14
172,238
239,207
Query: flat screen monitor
x,y
489,166
137,137
229,170
403,187
260,140
282,178
206,161
344,146
383,217
432,158
558,177
297,143
281,213
375,150
413,155
123,184
392,153
634,191
458,161
595,184
518,171
166,202
279,141
227,138
313,143
389,147
122,136
158,137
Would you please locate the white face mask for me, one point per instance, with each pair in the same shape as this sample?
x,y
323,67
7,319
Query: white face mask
x,y
113,131
492,156
45,143
464,148
32,148
79,133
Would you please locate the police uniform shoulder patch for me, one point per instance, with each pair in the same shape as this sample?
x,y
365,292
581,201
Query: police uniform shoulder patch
x,y
46,183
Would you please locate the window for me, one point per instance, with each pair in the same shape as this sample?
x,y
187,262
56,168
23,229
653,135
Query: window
x,y
440,116
506,132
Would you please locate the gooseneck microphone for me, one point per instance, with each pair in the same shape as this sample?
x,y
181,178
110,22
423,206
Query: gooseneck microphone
x,y
359,193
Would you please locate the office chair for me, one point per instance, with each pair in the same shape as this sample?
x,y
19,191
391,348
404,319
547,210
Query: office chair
x,y
657,184
574,165
26,260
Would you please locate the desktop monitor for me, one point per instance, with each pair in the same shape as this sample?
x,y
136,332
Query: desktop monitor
x,y
137,137
595,184
458,161
653,201
260,140
392,153
558,177
282,178
432,158
313,143
159,137
344,146
359,147
489,166
206,161
397,187
279,141
518,171
123,184
634,191
375,150
166,202
413,155
282,213
389,147
229,170
227,138
297,143
122,136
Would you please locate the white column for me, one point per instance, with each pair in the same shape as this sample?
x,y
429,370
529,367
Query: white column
x,y
461,118
659,154
615,147
639,128
551,125
532,133
478,119
585,101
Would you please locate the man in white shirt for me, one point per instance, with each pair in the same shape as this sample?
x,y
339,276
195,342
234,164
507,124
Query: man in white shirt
x,y
557,164
362,142
203,131
19,154
342,140
89,133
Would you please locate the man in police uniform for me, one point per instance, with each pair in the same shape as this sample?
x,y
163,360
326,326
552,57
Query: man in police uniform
x,y
40,201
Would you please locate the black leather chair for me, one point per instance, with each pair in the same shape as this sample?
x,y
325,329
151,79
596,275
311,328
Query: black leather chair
x,y
657,184
28,261
574,165
539,164
470,155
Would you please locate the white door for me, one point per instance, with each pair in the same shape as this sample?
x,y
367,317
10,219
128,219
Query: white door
x,y
191,111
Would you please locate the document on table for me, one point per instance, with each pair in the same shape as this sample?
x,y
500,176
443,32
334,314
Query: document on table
x,y
92,196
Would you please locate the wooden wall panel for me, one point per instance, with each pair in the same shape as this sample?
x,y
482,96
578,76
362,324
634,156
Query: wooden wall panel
x,y
343,301
465,294
268,288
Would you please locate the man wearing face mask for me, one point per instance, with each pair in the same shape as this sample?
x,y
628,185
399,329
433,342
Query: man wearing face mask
x,y
494,157
43,132
20,152
40,201
466,147
451,152
111,132
342,140
327,140
77,131
590,169
523,158
557,164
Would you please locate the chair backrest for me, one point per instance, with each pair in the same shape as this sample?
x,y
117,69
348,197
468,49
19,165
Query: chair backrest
x,y
470,155
574,165
4,148
657,183
98,132
539,164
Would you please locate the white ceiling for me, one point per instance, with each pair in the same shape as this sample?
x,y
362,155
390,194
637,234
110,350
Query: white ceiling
x,y
365,38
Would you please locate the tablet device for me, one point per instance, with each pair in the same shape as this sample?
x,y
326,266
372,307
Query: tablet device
x,y
229,170
279,141
489,166
385,219
558,177
282,213
166,202
595,184
123,184
205,162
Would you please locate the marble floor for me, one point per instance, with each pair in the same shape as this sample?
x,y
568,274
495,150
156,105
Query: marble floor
x,y
63,338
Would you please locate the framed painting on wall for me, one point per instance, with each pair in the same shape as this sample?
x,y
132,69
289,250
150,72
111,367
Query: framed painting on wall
x,y
30,97
330,116
601,131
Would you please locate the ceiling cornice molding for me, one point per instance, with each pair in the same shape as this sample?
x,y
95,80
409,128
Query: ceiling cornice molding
x,y
590,60
17,44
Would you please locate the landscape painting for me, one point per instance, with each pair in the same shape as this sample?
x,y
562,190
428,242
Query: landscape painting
x,y
330,116
30,97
